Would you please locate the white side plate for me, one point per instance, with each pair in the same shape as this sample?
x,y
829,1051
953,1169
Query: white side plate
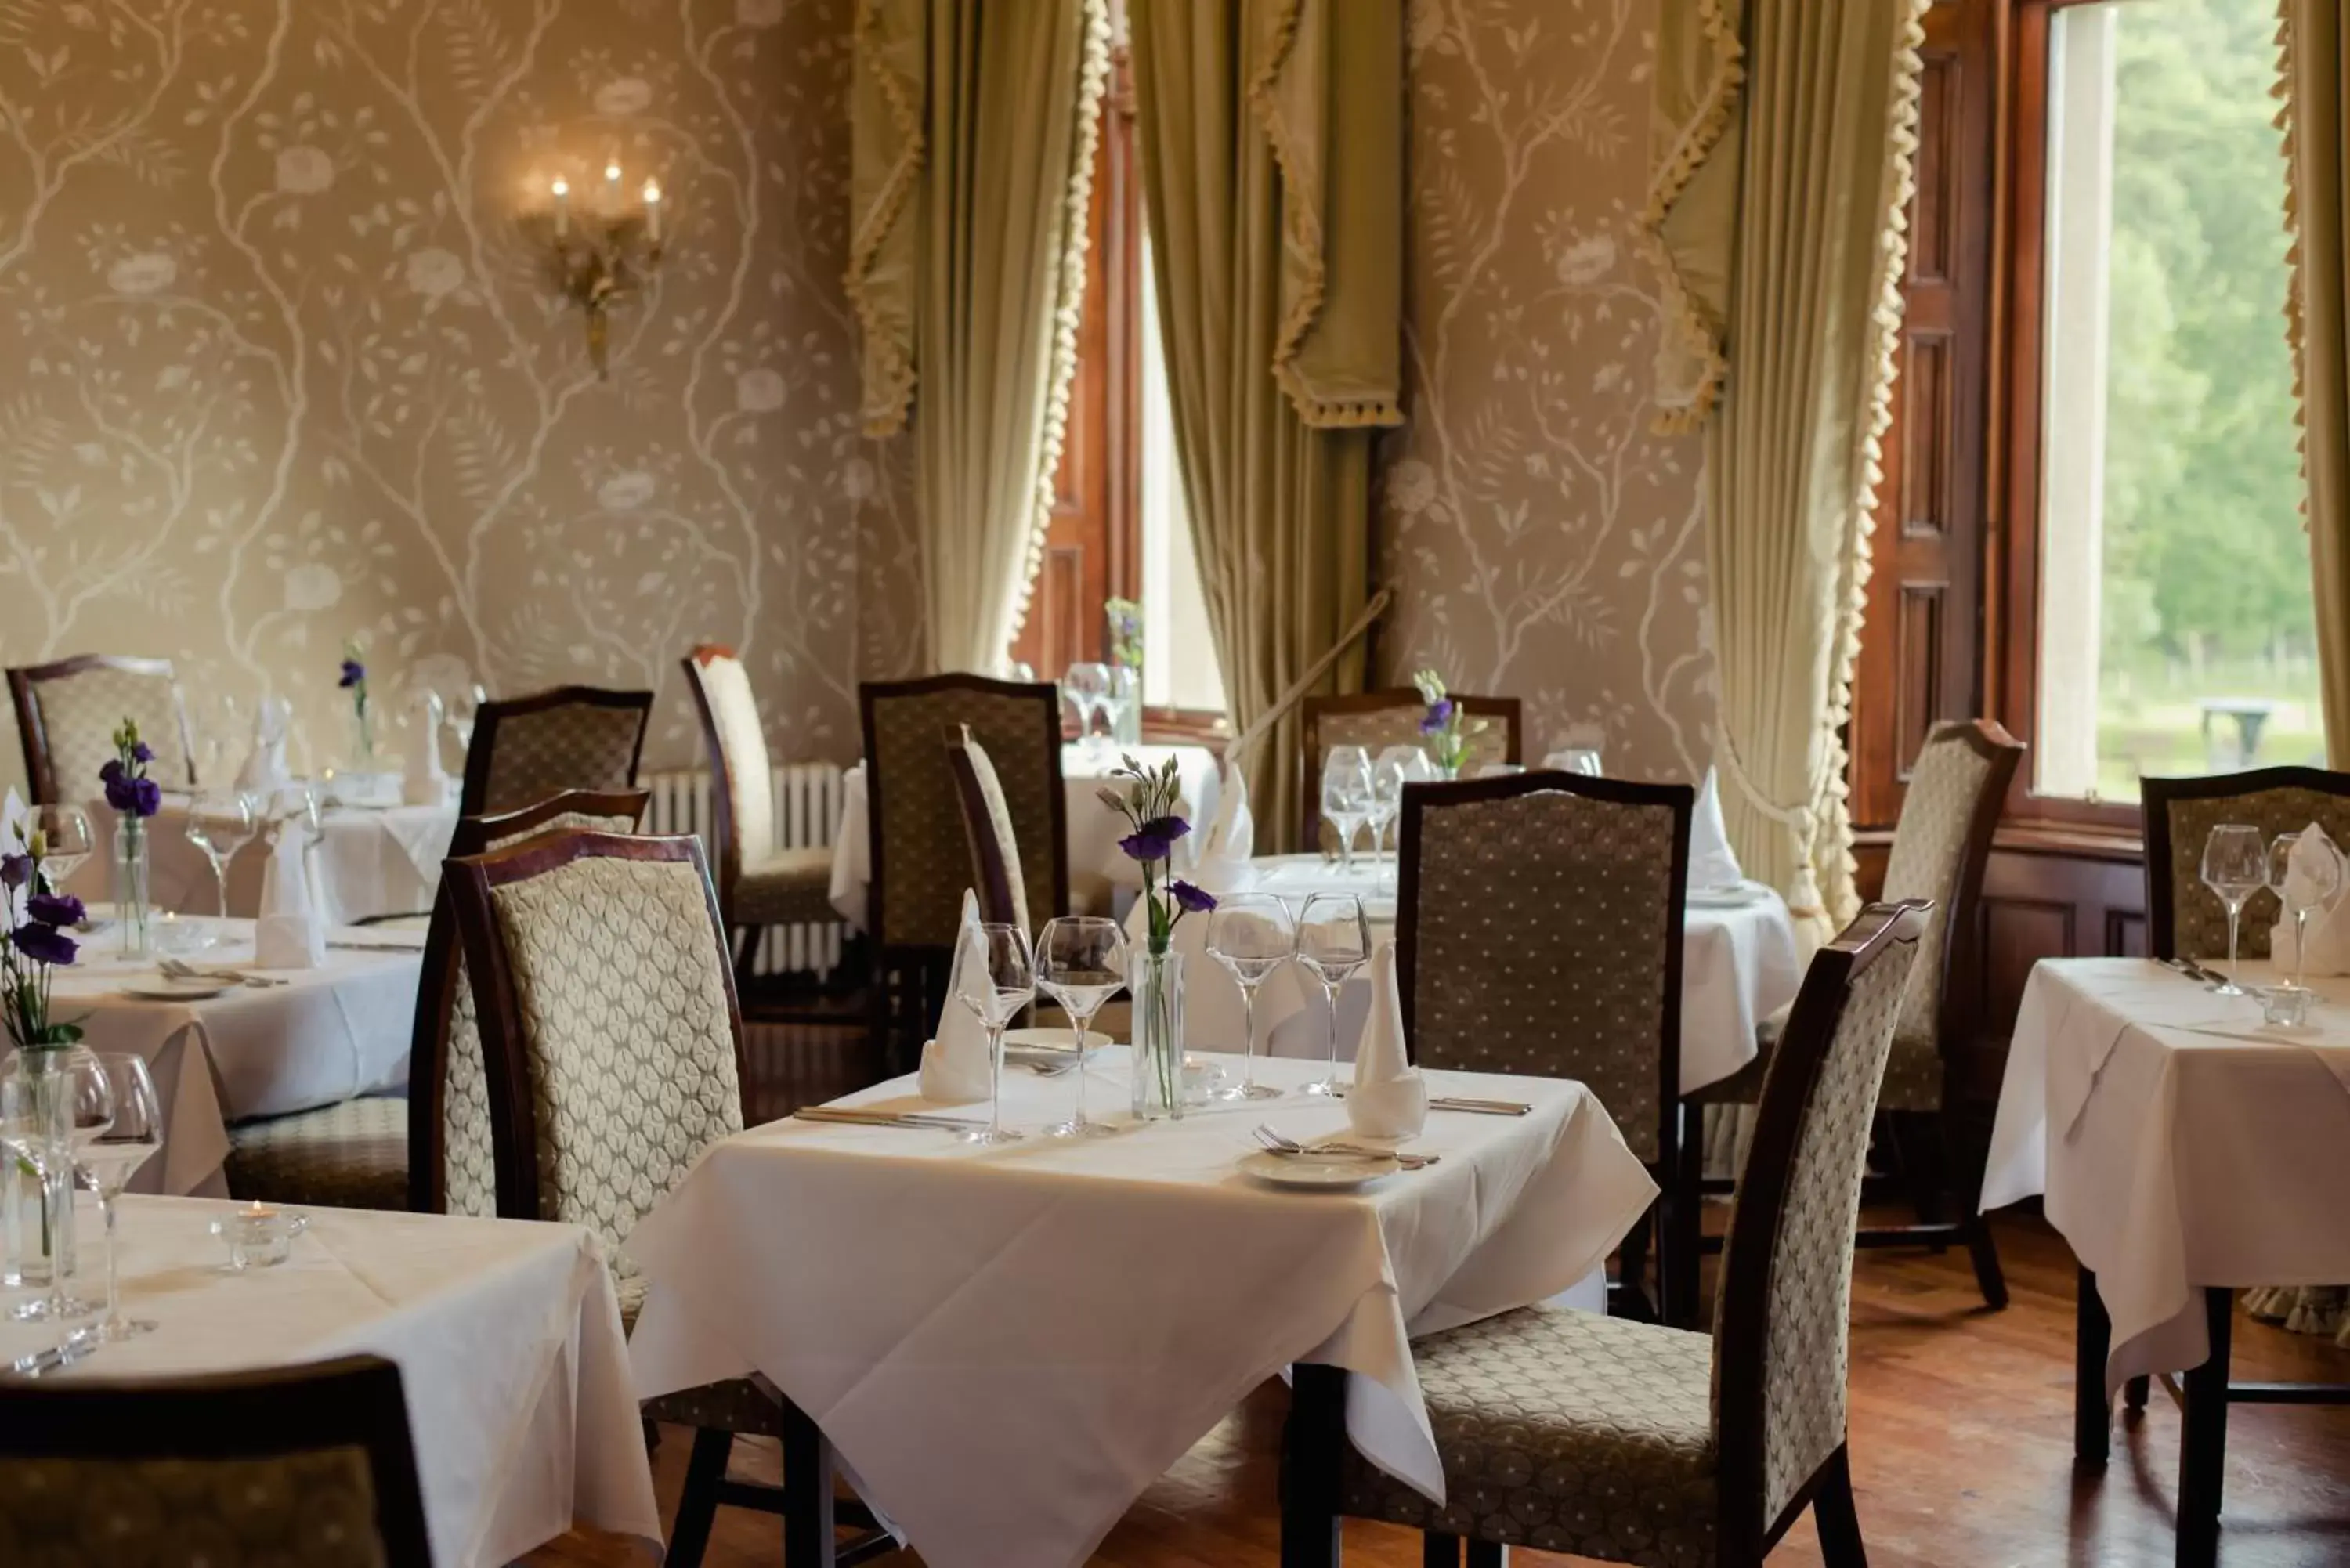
x,y
1305,1170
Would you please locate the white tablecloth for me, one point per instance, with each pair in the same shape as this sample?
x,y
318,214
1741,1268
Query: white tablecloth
x,y
1092,828
367,862
1007,1345
2180,1144
1737,967
329,1034
507,1336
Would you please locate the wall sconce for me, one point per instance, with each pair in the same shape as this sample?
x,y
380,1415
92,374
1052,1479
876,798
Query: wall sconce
x,y
611,252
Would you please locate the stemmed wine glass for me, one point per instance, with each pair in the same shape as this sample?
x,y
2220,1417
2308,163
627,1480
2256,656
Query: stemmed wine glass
x,y
1390,771
29,1095
1250,934
463,707
1345,796
2303,883
1123,690
66,841
220,823
219,729
107,1159
2235,867
1005,983
1334,941
1087,686
1081,964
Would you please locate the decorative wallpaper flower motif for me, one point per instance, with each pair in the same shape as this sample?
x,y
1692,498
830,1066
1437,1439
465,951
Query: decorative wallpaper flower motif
x,y
151,272
433,272
629,95
626,492
312,586
305,170
759,391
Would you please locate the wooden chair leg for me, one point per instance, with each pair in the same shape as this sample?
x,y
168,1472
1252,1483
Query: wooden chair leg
x,y
2093,1334
2135,1394
1984,1252
1438,1550
1838,1522
1631,1291
1488,1555
1312,1452
1684,1254
810,1539
697,1505
2203,1445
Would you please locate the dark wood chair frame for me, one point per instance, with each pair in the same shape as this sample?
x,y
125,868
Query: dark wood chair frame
x,y
1312,1453
428,1057
2205,1392
990,875
805,1500
1679,1164
478,754
354,1401
40,769
1509,710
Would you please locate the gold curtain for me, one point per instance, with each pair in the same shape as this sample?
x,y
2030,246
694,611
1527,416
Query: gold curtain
x,y
1816,232
1691,212
1273,169
973,128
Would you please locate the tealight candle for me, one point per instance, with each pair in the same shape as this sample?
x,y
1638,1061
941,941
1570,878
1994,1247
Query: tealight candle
x,y
562,192
652,210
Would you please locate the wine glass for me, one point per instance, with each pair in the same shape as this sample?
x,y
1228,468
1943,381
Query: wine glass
x,y
107,1160
1250,934
1390,771
220,823
63,836
30,1113
218,725
1081,964
1087,686
2235,867
1345,796
1005,981
2303,882
1575,760
1124,692
1334,941
463,707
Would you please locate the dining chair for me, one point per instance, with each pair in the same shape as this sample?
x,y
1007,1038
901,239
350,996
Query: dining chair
x,y
920,854
1630,1442
1378,719
66,714
525,749
760,882
987,825
307,1467
613,1048
2184,918
1538,931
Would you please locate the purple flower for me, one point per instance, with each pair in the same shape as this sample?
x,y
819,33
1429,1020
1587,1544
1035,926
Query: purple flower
x,y
140,752
56,910
112,773
44,944
134,797
1195,899
1155,839
1440,713
353,673
15,870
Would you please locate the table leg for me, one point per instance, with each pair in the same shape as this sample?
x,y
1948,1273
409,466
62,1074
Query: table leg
x,y
2093,1334
2203,1442
808,1534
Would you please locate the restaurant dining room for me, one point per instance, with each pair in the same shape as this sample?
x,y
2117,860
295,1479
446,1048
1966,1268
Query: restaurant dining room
x,y
1008,784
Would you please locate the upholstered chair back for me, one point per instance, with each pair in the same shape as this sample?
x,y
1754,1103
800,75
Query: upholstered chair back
x,y
1378,719
609,1027
66,714
300,1467
526,749
1539,931
2184,918
921,856
1941,845
987,825
742,778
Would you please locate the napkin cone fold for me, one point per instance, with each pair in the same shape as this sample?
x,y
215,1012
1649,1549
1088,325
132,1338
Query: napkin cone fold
x,y
1230,840
955,1065
263,772
424,781
1711,862
291,934
1389,1098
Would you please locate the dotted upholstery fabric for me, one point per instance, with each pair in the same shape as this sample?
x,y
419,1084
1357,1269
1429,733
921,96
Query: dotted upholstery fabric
x,y
78,715
1377,729
2198,921
577,746
314,1509
989,836
349,1156
1544,923
1926,861
925,864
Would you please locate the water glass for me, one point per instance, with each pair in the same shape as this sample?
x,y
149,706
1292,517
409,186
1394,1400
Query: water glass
x,y
2303,881
1250,934
64,1094
1345,796
66,841
2235,867
1087,686
995,991
1394,768
110,1155
1334,941
1080,964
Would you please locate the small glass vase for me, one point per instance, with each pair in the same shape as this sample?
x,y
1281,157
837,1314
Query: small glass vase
x,y
362,740
1155,981
37,1227
128,887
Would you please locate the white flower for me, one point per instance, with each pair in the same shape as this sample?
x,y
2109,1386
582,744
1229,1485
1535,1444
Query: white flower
x,y
857,479
151,272
759,391
1411,486
304,171
626,96
625,492
758,13
312,586
433,272
1587,260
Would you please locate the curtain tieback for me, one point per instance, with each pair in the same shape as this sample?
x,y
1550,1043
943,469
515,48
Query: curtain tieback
x,y
1297,689
1803,899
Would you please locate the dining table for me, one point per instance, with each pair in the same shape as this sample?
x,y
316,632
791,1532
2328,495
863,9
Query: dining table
x,y
506,1333
222,1051
2184,1147
1003,1346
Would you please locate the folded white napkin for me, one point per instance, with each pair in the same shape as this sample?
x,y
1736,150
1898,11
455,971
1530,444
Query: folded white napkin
x,y
2309,880
955,1064
1389,1098
291,934
264,771
1711,862
425,782
1230,840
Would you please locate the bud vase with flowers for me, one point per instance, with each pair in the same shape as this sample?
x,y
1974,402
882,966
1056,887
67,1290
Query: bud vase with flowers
x,y
1148,804
135,797
36,1214
354,680
1445,727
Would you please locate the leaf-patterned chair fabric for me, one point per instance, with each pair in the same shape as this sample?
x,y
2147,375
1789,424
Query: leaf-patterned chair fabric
x,y
760,882
1378,719
528,749
1630,1442
2185,918
66,714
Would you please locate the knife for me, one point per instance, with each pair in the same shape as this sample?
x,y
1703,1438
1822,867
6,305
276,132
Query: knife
x,y
848,1115
65,1353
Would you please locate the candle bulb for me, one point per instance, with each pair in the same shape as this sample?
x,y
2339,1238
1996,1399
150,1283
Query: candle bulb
x,y
561,189
652,211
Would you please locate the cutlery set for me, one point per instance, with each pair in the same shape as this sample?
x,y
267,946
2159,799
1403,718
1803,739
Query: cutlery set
x,y
65,1353
1289,1147
2194,972
176,969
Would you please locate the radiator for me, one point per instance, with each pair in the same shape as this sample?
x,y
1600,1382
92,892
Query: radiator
x,y
807,808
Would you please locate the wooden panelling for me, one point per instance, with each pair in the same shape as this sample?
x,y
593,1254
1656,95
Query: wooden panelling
x,y
1929,363
1934,217
1921,634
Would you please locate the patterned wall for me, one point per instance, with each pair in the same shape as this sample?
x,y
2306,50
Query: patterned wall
x,y
284,370
1545,544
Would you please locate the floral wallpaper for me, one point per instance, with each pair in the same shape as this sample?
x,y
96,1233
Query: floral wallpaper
x,y
1544,542
287,370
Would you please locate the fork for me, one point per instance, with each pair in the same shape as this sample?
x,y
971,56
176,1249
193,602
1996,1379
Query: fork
x,y
175,970
1277,1143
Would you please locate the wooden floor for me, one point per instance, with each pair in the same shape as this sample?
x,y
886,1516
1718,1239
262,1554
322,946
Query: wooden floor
x,y
1962,1434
